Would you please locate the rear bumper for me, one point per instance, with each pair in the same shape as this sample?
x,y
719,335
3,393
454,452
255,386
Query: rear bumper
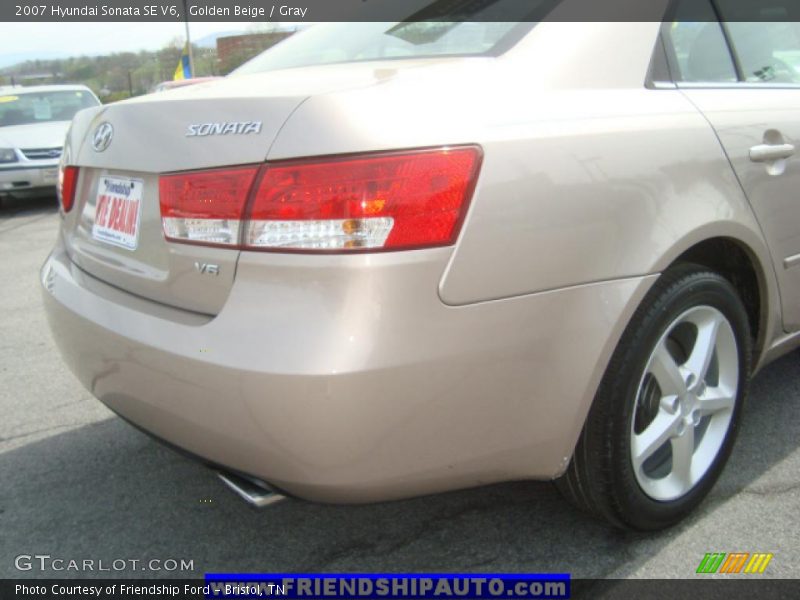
x,y
29,181
346,379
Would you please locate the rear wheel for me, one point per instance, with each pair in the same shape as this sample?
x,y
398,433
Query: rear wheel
x,y
666,413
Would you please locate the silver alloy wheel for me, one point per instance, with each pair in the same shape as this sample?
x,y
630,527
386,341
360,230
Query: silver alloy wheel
x,y
684,403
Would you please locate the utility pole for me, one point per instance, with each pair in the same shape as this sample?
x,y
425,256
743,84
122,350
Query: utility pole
x,y
188,38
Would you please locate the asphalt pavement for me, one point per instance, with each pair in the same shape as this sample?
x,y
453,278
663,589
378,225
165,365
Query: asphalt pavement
x,y
77,483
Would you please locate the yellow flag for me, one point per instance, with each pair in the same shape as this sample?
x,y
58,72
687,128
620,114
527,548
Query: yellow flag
x,y
184,69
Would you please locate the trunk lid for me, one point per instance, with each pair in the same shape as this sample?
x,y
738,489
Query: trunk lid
x,y
114,232
223,123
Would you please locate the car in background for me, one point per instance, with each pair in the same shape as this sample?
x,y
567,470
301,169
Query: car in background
x,y
171,85
384,260
33,125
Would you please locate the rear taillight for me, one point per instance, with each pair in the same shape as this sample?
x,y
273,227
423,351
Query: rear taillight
x,y
205,207
389,201
67,185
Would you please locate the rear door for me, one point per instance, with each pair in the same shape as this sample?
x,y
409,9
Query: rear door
x,y
744,76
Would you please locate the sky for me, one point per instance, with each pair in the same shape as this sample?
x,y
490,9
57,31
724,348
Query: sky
x,y
23,41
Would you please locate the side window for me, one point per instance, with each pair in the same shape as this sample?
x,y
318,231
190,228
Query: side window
x,y
768,52
696,42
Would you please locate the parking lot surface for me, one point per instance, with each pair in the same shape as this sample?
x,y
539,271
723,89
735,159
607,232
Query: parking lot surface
x,y
77,483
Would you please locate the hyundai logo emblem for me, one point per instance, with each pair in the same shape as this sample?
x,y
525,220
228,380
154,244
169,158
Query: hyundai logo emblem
x,y
102,136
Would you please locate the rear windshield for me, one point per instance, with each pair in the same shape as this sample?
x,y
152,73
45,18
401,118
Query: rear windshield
x,y
23,108
354,42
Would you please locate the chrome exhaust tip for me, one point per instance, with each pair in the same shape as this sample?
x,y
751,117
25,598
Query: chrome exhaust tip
x,y
252,493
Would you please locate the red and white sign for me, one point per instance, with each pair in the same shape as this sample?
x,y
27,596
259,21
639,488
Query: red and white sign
x,y
117,211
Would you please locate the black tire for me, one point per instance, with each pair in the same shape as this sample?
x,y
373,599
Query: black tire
x,y
601,478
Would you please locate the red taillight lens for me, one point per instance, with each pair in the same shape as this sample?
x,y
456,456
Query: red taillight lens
x,y
394,201
389,201
69,183
205,207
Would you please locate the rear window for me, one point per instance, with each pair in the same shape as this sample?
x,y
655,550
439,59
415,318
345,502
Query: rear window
x,y
354,42
24,108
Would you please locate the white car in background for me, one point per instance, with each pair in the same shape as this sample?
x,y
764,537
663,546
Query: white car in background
x,y
33,125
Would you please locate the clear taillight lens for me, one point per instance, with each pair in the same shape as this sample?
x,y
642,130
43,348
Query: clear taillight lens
x,y
68,184
389,201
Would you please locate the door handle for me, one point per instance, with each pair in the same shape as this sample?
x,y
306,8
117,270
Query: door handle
x,y
771,152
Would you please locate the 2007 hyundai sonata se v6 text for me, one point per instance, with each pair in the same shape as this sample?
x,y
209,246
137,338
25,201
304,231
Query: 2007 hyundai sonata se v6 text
x,y
384,260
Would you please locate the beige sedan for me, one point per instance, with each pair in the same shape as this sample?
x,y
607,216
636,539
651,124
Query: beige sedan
x,y
383,260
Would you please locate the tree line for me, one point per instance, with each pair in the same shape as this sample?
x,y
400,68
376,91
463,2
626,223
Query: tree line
x,y
119,75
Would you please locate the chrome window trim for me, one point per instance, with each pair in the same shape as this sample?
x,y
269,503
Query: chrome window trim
x,y
736,85
662,85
